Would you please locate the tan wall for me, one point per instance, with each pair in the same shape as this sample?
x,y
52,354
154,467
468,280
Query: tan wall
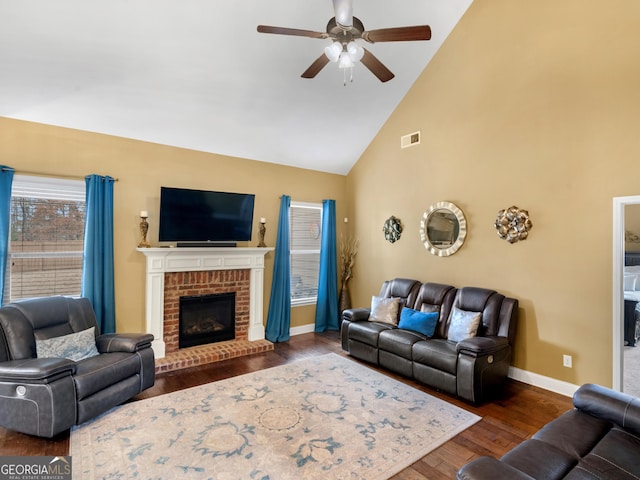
x,y
141,168
534,104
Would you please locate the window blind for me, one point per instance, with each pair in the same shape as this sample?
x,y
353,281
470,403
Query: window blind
x,y
46,238
305,236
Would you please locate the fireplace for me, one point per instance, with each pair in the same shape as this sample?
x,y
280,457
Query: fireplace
x,y
176,272
206,319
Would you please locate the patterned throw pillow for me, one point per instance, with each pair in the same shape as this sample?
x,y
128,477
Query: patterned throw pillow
x,y
385,310
75,346
421,322
463,324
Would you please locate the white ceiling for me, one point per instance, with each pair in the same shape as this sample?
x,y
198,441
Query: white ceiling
x,y
196,74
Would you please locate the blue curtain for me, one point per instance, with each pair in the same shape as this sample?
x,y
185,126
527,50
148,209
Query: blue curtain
x,y
279,316
6,177
97,262
327,306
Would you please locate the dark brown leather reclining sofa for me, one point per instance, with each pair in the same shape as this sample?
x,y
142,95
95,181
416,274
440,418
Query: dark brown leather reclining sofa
x,y
598,439
473,369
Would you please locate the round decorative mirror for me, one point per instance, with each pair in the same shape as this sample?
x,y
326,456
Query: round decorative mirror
x,y
443,229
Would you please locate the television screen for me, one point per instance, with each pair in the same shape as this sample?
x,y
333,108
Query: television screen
x,y
204,216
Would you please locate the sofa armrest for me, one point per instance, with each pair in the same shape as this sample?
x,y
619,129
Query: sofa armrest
x,y
617,407
480,346
356,314
490,469
36,370
123,342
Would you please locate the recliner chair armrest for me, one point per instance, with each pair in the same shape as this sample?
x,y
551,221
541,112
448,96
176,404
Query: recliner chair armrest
x,y
123,342
356,314
36,370
479,346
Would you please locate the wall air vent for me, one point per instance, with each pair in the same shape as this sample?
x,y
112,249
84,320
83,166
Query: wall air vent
x,y
410,140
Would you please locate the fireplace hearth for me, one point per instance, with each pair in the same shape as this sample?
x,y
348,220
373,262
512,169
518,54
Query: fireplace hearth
x,y
206,319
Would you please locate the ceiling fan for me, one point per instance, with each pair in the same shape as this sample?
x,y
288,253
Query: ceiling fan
x,y
345,29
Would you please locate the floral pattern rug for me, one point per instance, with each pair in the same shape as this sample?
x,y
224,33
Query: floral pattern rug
x,y
322,418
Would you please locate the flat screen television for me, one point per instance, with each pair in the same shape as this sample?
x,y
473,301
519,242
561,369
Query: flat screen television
x,y
203,216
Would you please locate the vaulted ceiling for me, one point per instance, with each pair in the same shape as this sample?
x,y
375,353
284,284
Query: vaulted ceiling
x,y
196,73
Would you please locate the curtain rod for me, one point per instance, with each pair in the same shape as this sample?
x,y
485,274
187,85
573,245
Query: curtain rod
x,y
44,174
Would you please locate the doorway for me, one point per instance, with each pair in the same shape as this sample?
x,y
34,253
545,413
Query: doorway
x,y
620,241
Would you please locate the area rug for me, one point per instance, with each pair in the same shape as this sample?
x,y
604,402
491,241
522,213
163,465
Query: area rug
x,y
322,418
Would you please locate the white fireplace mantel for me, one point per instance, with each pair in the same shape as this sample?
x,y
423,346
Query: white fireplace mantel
x,y
191,259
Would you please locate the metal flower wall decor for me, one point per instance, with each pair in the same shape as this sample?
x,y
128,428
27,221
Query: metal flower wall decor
x,y
513,224
392,229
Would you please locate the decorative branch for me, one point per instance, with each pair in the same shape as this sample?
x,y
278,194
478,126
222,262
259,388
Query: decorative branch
x,y
348,252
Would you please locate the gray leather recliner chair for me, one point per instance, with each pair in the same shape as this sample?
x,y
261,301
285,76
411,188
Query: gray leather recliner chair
x,y
45,396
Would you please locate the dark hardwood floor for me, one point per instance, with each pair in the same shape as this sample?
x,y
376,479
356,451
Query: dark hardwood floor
x,y
520,412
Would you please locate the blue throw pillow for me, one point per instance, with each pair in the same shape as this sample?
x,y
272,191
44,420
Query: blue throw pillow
x,y
421,322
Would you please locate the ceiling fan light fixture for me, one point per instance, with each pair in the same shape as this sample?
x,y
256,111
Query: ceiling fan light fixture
x,y
356,52
333,51
345,60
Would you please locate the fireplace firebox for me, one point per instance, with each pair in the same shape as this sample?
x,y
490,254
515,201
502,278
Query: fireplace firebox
x,y
206,319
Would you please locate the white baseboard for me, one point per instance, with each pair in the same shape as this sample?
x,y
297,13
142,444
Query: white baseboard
x,y
308,328
548,383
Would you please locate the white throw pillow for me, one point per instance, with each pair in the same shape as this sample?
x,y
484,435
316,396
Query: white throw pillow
x,y
630,282
386,310
463,324
75,346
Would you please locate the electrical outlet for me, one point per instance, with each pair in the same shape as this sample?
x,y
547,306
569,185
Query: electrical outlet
x,y
567,361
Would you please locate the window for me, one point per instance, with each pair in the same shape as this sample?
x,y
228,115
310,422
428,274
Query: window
x,y
46,237
305,220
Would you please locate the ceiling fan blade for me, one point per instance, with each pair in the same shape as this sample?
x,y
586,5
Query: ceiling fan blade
x,y
291,31
315,67
343,10
398,34
376,66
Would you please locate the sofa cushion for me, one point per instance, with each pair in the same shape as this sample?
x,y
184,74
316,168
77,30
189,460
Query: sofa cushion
x,y
463,324
75,346
421,322
437,353
386,310
574,432
97,373
405,288
398,341
540,460
367,332
614,457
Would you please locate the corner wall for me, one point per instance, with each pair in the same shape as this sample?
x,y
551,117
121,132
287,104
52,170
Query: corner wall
x,y
533,104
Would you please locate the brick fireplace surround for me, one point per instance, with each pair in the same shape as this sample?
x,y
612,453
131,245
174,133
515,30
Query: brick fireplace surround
x,y
176,272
